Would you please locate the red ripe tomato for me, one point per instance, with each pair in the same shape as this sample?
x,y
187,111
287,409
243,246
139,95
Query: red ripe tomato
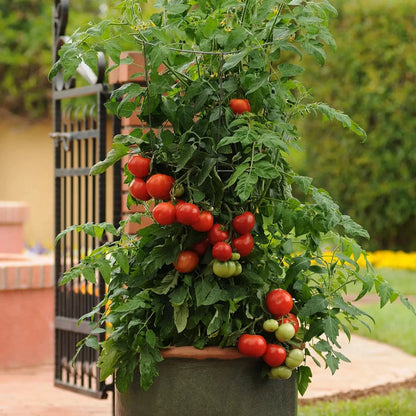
x,y
292,319
244,244
244,223
205,222
187,213
159,186
252,345
186,262
239,105
279,302
138,189
222,251
164,213
275,355
201,247
216,234
139,166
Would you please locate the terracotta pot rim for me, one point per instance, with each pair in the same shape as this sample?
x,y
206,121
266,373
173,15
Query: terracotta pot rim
x,y
229,353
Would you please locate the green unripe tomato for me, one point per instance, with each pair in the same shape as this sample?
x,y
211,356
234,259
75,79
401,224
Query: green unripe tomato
x,y
271,325
282,372
223,269
238,268
178,190
235,256
285,332
294,358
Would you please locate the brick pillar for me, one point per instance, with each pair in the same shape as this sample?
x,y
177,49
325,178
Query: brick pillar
x,y
13,215
122,75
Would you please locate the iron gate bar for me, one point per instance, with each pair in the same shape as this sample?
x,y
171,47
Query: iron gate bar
x,y
80,91
83,134
72,172
80,142
74,204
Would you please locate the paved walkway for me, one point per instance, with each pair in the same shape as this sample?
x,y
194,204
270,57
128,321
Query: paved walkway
x,y
30,391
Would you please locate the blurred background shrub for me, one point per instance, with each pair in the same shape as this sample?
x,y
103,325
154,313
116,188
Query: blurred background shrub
x,y
26,50
372,78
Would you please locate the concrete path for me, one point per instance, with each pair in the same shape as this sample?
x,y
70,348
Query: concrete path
x,y
373,364
30,391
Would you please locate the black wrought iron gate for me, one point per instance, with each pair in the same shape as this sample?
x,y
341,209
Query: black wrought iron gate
x,y
80,141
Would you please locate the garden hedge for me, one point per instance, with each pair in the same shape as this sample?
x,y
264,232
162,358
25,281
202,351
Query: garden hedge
x,y
372,77
26,50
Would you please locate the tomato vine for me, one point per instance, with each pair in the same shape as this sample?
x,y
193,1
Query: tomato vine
x,y
199,56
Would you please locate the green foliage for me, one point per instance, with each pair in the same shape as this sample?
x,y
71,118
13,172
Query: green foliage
x,y
26,50
396,403
227,164
371,78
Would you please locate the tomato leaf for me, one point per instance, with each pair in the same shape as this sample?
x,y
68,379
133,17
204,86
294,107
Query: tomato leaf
x,y
105,270
92,342
167,283
132,304
331,327
113,156
89,273
148,359
180,316
316,304
122,260
303,378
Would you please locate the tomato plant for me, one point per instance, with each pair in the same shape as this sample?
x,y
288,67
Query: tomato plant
x,y
270,325
159,185
187,213
244,244
244,223
138,190
238,268
279,302
281,373
164,213
139,166
285,332
201,247
294,358
275,355
224,268
230,157
239,105
222,251
252,345
217,234
292,319
186,262
204,223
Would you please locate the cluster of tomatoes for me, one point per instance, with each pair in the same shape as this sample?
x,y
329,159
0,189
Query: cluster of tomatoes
x,y
284,325
144,187
225,254
225,264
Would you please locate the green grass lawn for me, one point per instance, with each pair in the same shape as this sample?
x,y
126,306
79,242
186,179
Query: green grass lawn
x,y
396,403
402,280
395,325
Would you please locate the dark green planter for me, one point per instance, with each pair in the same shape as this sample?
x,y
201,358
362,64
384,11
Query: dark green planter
x,y
211,387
